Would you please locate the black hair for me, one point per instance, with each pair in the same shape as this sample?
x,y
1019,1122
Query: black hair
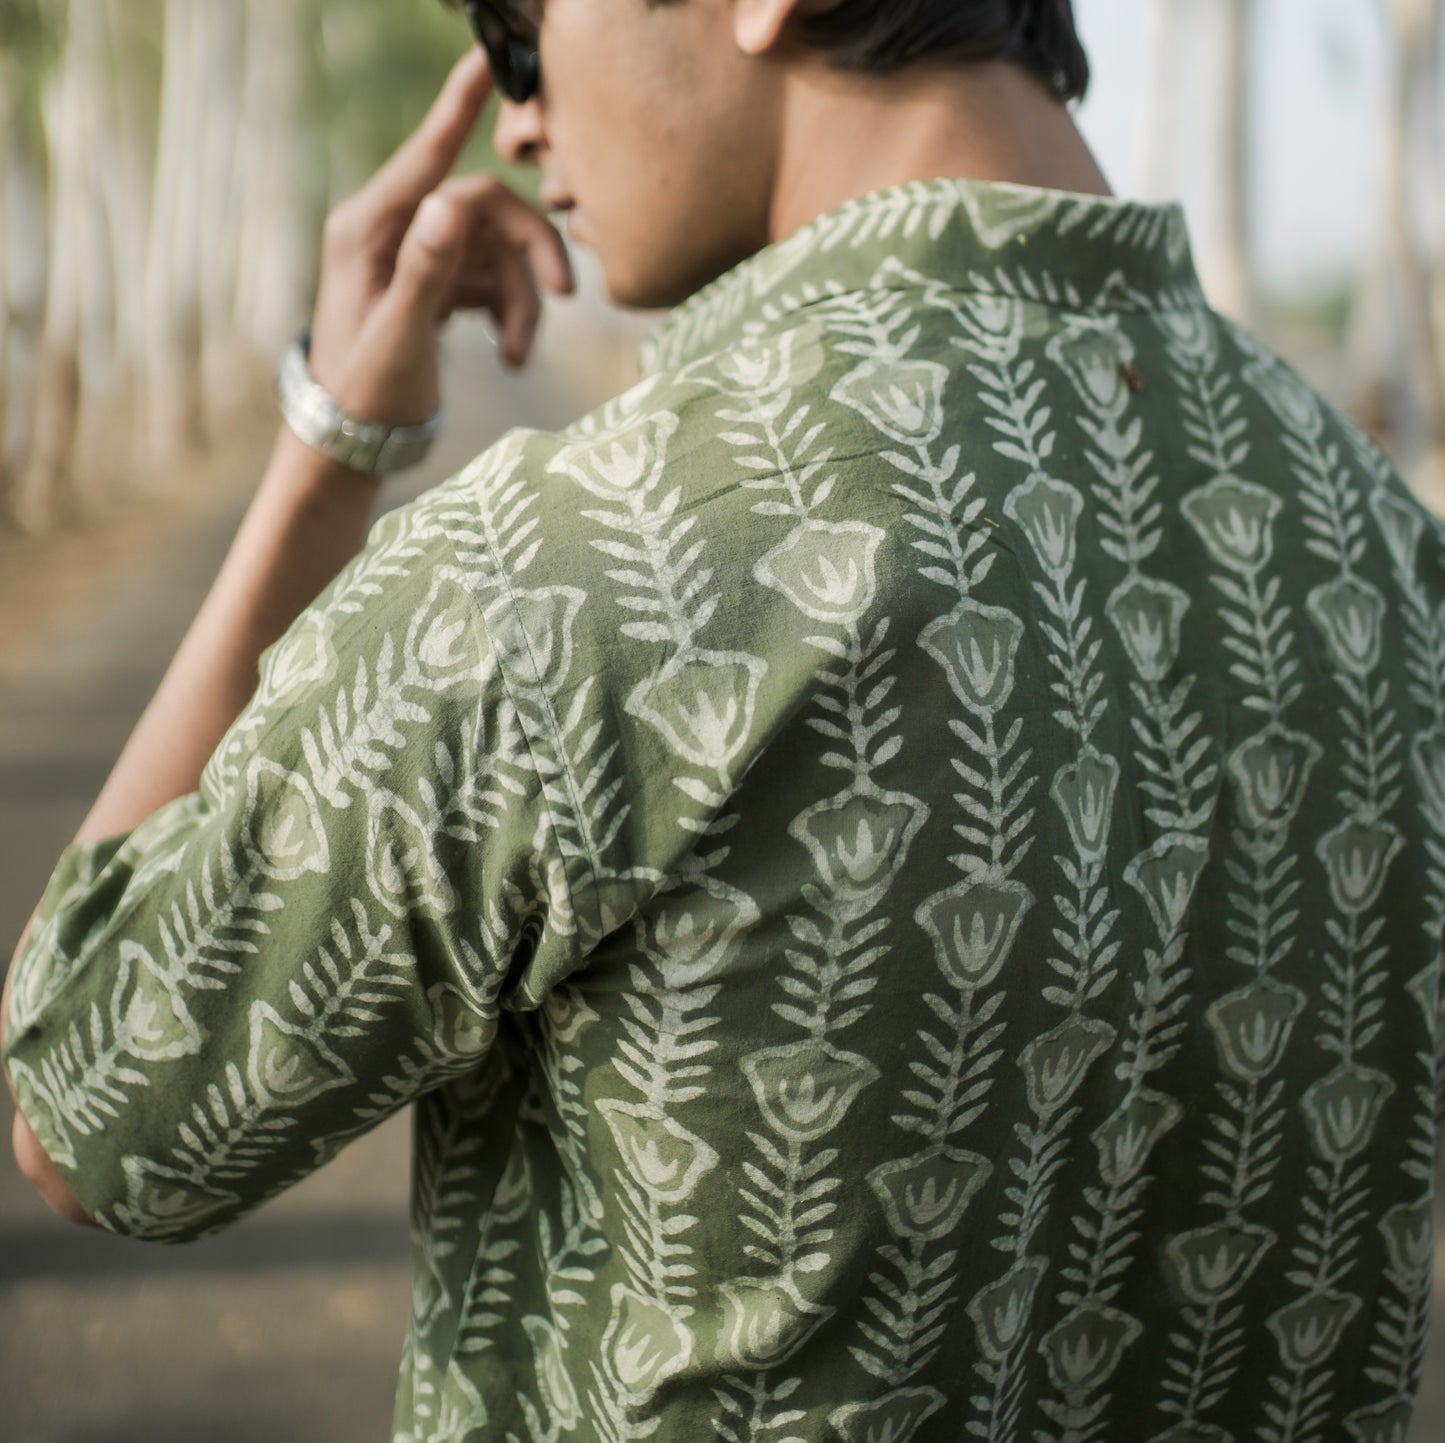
x,y
883,35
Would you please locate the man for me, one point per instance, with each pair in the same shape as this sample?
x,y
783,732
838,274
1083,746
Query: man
x,y
902,862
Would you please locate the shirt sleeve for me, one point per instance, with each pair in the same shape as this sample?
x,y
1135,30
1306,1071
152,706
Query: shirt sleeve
x,y
211,1006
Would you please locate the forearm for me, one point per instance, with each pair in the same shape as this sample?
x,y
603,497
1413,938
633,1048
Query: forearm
x,y
308,519
414,245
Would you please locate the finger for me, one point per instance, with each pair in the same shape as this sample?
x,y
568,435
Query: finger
x,y
431,152
508,292
519,306
510,219
469,298
429,260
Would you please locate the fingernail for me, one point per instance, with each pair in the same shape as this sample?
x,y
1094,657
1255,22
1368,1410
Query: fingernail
x,y
433,223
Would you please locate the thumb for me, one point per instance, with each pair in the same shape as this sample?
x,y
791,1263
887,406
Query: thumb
x,y
429,258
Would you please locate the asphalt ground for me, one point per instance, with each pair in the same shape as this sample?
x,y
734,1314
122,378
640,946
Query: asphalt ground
x,y
289,1327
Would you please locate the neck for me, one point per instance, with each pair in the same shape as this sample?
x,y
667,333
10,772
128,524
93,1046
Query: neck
x,y
844,135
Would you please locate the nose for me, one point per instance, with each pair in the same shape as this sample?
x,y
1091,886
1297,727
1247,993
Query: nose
x,y
520,137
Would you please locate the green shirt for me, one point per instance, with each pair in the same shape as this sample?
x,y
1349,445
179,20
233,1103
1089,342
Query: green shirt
x,y
902,863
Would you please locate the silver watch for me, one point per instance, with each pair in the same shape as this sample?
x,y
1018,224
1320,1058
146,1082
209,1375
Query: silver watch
x,y
317,418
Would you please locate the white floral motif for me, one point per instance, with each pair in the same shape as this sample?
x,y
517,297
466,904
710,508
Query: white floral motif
x,y
764,368
300,660
162,1201
702,702
806,1090
665,1158
285,1064
859,839
288,837
615,463
977,646
1234,519
538,627
156,1023
902,398
766,1322
826,569
955,858
644,1343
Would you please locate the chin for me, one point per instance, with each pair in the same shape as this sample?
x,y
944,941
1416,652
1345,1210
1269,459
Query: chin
x,y
659,286
647,292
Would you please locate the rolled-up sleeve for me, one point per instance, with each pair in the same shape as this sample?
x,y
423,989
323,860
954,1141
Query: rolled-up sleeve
x,y
208,1008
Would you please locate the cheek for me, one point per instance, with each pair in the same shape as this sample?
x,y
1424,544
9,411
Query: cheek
x,y
665,204
629,170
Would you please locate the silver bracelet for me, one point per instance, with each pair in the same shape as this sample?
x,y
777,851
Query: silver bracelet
x,y
318,419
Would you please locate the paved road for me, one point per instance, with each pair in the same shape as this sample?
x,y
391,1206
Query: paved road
x,y
288,1328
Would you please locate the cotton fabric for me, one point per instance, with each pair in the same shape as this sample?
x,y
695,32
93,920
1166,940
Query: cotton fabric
x,y
901,863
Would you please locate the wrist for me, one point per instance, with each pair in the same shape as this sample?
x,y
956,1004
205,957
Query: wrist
x,y
355,442
302,470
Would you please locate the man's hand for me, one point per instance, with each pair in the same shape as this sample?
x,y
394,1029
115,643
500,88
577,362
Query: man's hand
x,y
32,1159
416,244
408,249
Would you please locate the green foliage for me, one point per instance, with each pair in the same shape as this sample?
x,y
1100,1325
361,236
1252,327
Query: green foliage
x,y
377,70
27,30
371,72
29,43
1324,313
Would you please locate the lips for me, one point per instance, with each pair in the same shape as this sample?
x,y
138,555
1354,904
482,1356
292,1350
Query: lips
x,y
562,207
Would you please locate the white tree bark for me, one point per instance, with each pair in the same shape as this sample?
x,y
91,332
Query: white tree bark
x,y
9,164
23,265
1154,153
76,347
274,260
1234,284
219,48
172,289
1396,346
126,190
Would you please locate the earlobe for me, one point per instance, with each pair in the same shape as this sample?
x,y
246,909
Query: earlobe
x,y
758,24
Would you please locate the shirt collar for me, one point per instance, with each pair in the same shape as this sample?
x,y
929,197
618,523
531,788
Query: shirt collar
x,y
1054,247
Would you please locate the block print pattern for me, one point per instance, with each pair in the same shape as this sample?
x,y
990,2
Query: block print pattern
x,y
901,864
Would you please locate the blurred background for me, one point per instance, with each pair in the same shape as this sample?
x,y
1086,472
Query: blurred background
x,y
165,166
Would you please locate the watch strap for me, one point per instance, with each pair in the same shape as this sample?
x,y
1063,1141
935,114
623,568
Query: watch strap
x,y
320,421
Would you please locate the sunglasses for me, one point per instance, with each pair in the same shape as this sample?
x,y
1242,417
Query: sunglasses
x,y
510,40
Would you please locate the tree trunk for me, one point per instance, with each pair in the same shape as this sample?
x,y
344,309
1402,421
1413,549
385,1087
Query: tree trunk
x,y
76,345
23,250
220,47
9,164
1414,156
275,243
1235,288
126,188
172,345
1397,349
1153,160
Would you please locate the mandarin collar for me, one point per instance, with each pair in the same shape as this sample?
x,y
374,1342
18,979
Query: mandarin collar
x,y
1053,247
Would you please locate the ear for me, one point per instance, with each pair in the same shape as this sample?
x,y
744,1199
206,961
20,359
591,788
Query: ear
x,y
758,24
